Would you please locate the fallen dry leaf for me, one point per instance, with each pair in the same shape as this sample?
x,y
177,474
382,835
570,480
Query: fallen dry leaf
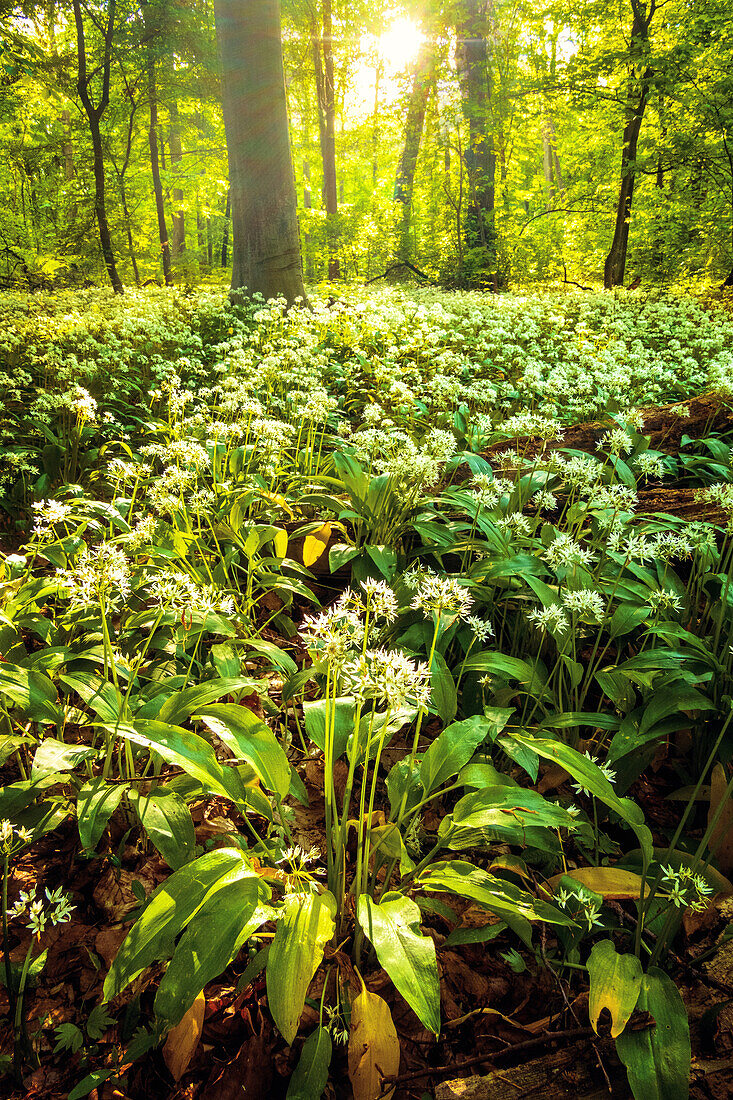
x,y
374,1049
180,1046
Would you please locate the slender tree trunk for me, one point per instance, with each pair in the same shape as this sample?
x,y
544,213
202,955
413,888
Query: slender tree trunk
x,y
94,115
225,230
266,252
323,63
472,58
176,148
152,32
405,179
375,123
638,97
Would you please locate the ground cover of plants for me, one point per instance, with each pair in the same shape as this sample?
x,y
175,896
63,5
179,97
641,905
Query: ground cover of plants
x,y
365,695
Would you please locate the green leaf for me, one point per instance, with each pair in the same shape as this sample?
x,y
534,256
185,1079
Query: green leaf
x,y
188,751
167,820
339,713
295,954
68,1037
169,910
658,1058
55,756
615,982
495,894
33,691
99,694
96,802
453,748
590,776
249,738
311,1073
531,676
98,1022
213,937
443,695
500,810
183,704
393,928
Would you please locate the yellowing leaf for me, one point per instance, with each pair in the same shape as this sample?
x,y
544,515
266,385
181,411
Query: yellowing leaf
x,y
280,542
610,882
316,544
721,838
615,982
180,1046
374,1049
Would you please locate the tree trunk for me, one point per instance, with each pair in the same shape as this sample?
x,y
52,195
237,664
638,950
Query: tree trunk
x,y
638,96
323,63
153,144
176,148
472,59
94,115
266,250
405,179
225,230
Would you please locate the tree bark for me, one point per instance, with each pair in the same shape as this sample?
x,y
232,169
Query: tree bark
x,y
151,30
638,97
176,148
94,115
322,44
472,59
405,179
225,230
266,247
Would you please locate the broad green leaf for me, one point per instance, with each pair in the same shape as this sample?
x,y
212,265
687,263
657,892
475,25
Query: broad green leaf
x,y
453,748
393,928
167,820
500,810
10,743
30,690
98,694
56,756
590,776
658,1058
296,952
532,676
182,704
338,713
615,982
495,894
169,910
249,738
443,696
213,937
96,802
311,1073
188,751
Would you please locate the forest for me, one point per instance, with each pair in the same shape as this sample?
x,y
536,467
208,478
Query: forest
x,y
366,549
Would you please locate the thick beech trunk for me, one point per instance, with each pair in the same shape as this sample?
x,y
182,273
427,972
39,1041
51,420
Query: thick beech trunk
x,y
405,179
94,115
266,249
638,97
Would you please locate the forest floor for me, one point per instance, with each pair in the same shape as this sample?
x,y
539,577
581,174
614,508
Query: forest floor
x,y
529,1036
512,1025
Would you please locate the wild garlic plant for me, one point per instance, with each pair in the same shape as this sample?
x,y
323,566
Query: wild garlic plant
x,y
38,909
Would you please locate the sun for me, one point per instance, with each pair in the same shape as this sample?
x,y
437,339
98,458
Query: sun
x,y
399,44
